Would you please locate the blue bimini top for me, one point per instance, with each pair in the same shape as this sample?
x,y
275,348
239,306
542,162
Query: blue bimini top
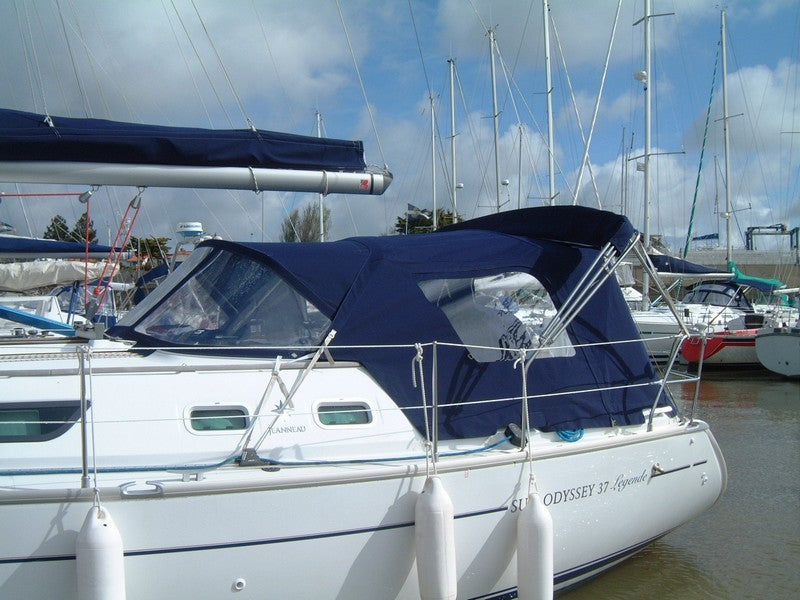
x,y
478,289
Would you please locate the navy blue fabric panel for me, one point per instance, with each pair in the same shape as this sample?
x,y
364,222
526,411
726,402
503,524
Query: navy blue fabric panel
x,y
670,264
322,272
12,245
570,224
369,287
26,136
389,308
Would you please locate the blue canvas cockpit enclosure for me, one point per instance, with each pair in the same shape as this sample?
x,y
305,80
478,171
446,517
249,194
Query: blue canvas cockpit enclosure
x,y
482,290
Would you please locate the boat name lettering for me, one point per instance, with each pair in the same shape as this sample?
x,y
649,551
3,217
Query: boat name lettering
x,y
588,490
288,429
570,494
622,482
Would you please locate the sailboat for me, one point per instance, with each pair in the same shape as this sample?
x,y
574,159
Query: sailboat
x,y
721,320
778,349
387,417
734,343
25,310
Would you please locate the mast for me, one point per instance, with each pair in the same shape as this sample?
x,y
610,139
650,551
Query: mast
x,y
321,196
647,108
495,116
433,161
452,63
549,83
727,215
519,169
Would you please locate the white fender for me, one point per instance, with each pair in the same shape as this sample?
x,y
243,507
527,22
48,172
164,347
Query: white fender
x,y
535,551
99,557
435,543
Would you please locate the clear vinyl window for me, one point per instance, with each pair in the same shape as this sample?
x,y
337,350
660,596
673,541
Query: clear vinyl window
x,y
234,300
496,314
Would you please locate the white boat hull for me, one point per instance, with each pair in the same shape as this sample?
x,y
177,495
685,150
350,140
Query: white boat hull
x,y
348,531
278,462
722,349
779,350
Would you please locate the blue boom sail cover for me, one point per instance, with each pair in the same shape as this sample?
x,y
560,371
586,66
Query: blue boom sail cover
x,y
10,245
28,137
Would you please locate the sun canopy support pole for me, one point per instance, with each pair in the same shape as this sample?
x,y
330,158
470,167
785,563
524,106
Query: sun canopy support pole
x,y
598,272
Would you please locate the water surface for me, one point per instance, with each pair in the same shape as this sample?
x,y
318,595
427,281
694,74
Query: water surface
x,y
748,545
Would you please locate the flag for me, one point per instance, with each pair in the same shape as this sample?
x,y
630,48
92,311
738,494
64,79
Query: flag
x,y
414,212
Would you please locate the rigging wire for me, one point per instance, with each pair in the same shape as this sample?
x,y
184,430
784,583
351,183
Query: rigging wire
x,y
482,162
361,84
39,79
702,153
530,113
431,99
88,112
224,70
24,46
81,91
202,65
186,64
588,142
754,127
289,106
50,54
574,106
419,49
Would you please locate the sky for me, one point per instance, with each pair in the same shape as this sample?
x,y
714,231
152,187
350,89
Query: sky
x,y
372,69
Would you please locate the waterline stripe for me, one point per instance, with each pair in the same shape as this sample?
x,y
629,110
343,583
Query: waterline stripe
x,y
245,544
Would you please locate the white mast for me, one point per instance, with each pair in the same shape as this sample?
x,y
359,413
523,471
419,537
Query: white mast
x,y
728,214
548,80
495,116
647,107
452,63
519,168
646,78
321,196
433,161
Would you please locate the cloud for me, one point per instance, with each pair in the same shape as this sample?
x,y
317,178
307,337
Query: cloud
x,y
283,61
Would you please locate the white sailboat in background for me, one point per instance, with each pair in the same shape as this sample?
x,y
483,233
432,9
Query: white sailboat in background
x,y
778,349
716,306
732,342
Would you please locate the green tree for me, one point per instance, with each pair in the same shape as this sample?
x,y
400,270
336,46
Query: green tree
x,y
152,247
423,221
57,229
78,232
303,225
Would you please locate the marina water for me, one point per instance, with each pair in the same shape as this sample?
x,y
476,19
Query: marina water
x,y
748,545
